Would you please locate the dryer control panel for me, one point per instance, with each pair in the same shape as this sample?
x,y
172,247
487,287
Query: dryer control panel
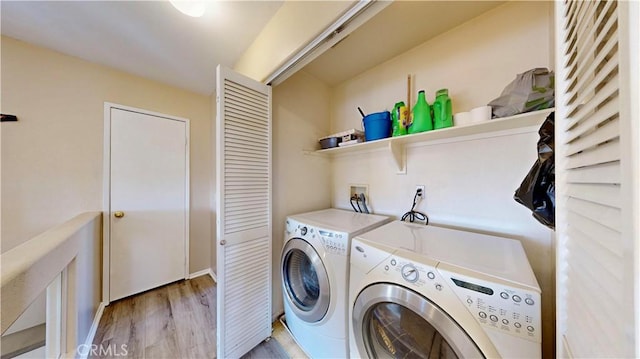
x,y
333,242
510,309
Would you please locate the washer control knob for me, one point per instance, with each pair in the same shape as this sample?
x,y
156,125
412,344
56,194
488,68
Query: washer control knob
x,y
439,286
517,325
409,272
516,298
529,301
530,328
431,275
393,262
303,230
482,315
493,318
504,295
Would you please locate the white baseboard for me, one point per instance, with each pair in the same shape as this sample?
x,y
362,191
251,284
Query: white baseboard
x,y
199,273
84,353
208,271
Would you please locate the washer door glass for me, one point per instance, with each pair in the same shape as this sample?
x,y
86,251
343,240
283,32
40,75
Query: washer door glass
x,y
305,281
397,332
391,321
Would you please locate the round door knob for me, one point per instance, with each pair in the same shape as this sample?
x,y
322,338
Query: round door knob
x,y
118,214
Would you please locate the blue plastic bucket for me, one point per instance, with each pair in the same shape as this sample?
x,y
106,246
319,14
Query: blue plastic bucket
x,y
377,125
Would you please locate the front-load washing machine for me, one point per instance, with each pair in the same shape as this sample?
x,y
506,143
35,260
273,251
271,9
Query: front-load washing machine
x,y
315,277
429,292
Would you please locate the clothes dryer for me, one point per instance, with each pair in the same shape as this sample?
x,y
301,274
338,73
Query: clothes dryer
x,y
428,292
315,277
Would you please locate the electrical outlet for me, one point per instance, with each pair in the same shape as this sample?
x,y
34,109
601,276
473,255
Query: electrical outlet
x,y
420,187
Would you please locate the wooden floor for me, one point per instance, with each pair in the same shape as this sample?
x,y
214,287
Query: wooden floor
x,y
174,321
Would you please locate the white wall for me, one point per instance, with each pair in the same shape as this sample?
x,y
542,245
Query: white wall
x,y
52,157
301,182
88,279
470,183
475,61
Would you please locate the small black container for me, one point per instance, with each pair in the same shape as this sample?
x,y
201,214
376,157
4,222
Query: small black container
x,y
329,142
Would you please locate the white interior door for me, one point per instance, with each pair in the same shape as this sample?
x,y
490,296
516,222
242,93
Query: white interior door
x,y
243,173
148,216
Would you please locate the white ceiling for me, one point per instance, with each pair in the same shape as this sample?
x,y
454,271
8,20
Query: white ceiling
x,y
153,40
398,28
146,38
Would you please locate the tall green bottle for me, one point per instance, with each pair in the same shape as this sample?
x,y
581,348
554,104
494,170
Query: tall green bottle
x,y
398,117
421,114
442,116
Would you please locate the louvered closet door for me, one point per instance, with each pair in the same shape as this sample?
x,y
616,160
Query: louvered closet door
x,y
243,173
597,185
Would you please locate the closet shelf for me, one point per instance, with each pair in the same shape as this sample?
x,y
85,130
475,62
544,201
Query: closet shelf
x,y
397,145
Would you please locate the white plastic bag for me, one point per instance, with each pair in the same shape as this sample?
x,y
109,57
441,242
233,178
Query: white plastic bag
x,y
531,90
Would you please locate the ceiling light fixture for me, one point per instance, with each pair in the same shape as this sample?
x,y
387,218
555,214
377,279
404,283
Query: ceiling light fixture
x,y
194,8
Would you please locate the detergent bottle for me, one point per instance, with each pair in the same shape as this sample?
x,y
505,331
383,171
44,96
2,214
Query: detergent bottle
x,y
442,115
421,114
399,119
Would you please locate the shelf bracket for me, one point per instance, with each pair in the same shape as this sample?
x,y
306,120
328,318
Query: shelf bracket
x,y
399,155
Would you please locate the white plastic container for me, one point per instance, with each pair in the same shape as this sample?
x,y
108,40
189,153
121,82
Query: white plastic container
x,y
462,119
480,114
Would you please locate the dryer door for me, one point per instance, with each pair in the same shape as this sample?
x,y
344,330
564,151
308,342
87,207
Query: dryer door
x,y
391,321
305,280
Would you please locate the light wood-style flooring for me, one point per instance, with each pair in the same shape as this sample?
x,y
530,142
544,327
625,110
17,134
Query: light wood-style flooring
x,y
174,321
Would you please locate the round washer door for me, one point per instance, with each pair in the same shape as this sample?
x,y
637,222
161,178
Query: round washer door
x,y
391,321
305,280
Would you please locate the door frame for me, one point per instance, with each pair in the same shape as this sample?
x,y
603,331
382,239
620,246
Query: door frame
x,y
106,190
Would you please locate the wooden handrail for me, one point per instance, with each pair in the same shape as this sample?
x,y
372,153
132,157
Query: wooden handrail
x,y
30,267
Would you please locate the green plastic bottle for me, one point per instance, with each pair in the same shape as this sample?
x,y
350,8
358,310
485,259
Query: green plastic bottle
x,y
397,118
442,115
421,114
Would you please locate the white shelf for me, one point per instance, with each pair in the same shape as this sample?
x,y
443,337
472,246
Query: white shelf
x,y
397,145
